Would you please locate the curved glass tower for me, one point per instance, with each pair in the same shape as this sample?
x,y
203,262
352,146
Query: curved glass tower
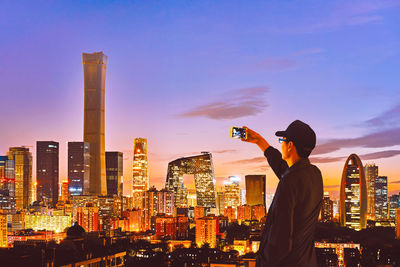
x,y
353,194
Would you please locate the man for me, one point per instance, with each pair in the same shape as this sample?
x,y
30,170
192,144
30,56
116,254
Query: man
x,y
288,235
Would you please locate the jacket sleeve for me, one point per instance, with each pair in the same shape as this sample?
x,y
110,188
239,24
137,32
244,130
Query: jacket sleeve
x,y
280,235
274,157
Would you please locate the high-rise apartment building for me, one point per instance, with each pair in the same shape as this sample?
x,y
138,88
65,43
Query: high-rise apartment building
x,y
206,231
94,79
165,201
326,208
134,218
381,198
371,173
255,188
201,167
78,168
88,217
140,171
47,172
114,173
232,192
64,196
165,227
23,176
394,204
7,185
353,194
220,202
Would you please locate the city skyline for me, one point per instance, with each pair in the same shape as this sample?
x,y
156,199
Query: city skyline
x,y
184,108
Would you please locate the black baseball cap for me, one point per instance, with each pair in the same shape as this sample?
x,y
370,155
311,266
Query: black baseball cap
x,y
302,136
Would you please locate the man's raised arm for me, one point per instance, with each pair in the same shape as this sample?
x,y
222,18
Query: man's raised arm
x,y
274,157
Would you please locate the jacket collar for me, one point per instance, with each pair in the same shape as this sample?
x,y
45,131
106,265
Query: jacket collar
x,y
302,163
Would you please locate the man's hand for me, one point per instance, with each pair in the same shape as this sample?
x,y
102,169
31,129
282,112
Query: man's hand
x,y
255,138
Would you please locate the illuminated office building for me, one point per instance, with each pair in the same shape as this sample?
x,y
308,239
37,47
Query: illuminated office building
x,y
94,79
220,202
206,231
353,194
371,173
78,168
140,171
23,176
231,213
381,198
165,201
47,172
56,223
7,185
199,212
255,188
3,231
257,212
201,167
393,205
242,200
114,173
232,192
182,227
327,208
88,217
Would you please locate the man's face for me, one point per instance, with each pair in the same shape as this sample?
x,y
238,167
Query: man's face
x,y
286,148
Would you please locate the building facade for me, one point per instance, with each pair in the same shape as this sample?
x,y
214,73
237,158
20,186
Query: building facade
x,y
381,198
201,167
232,192
114,173
23,176
94,79
140,171
206,231
78,168
47,173
7,185
255,188
394,204
371,173
326,208
353,194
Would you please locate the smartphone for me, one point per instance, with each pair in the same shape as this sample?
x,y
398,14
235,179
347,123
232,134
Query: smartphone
x,y
237,132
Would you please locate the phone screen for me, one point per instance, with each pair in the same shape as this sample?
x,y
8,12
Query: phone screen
x,y
237,132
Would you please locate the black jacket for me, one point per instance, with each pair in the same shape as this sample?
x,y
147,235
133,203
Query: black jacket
x,y
288,235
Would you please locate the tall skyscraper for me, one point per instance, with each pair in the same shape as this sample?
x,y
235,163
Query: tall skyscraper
x,y
255,188
7,185
88,217
23,176
201,167
114,173
381,198
140,171
78,168
94,78
232,192
353,194
47,172
327,208
371,173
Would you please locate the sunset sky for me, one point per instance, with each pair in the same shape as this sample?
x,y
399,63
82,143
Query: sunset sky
x,y
180,73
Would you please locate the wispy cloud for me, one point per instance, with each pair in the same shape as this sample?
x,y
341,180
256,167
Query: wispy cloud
x,y
331,186
236,104
274,65
395,182
384,138
388,118
369,156
224,151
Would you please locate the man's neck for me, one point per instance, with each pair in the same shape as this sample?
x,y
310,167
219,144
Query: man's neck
x,y
292,160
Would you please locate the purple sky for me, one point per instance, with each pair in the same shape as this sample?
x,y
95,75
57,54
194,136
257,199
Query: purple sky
x,y
180,74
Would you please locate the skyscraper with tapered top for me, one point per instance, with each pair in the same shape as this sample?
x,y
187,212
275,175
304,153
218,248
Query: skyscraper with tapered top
x,y
94,79
140,172
353,194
